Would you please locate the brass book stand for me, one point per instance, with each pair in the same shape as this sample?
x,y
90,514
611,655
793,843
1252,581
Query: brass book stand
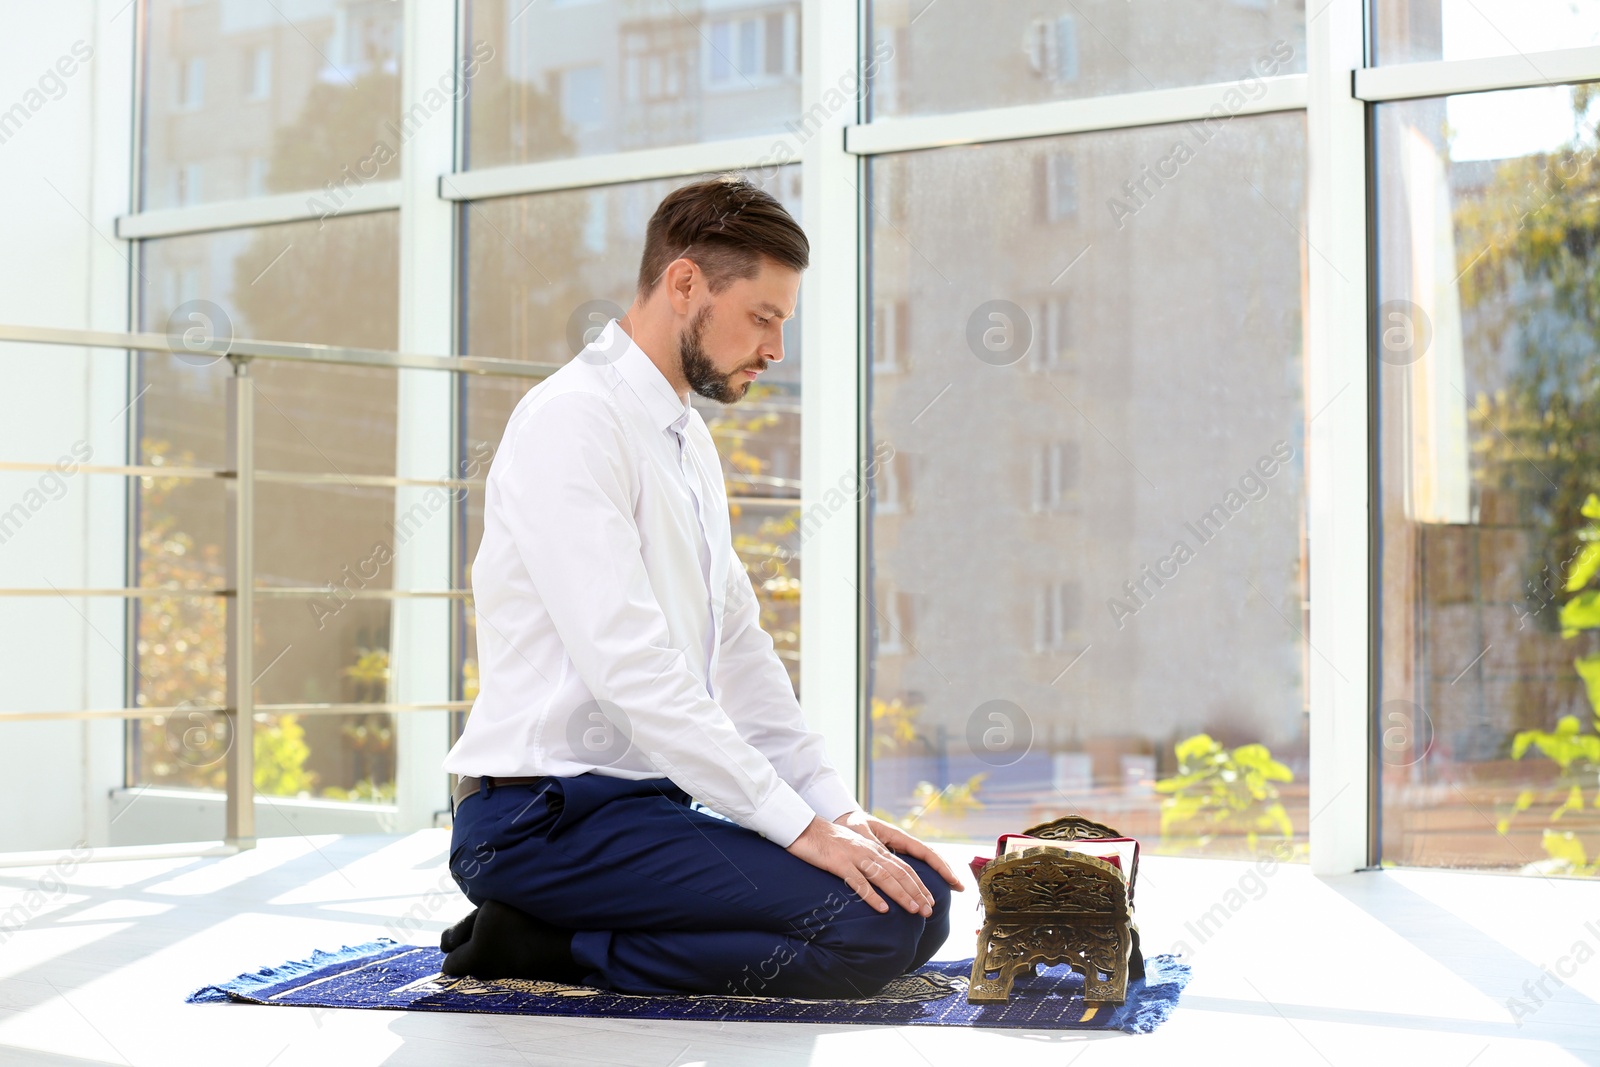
x,y
1044,905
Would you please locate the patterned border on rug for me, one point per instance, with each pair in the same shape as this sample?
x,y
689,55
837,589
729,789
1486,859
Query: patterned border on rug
x,y
388,974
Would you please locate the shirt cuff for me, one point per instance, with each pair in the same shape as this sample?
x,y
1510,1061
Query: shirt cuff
x,y
782,817
829,798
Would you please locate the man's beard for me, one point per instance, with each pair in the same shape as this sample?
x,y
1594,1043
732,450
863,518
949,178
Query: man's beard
x,y
702,375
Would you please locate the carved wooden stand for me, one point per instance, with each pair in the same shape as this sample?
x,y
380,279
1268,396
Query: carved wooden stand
x,y
1044,905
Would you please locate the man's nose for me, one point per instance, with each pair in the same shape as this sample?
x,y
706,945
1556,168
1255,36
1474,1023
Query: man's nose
x,y
774,351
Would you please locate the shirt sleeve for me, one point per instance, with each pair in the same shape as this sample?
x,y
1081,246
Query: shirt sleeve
x,y
566,497
755,688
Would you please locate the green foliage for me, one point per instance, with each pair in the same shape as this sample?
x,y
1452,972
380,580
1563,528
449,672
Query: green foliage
x,y
931,805
894,726
281,752
1567,855
896,731
1577,757
182,639
1576,754
1220,791
1588,668
1566,745
1582,612
743,435
366,789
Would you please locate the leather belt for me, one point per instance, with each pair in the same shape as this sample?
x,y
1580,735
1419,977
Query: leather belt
x,y
470,784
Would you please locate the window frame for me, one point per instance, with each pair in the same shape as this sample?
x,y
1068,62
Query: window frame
x,y
1335,94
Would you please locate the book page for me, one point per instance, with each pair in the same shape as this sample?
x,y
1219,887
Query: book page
x,y
1120,854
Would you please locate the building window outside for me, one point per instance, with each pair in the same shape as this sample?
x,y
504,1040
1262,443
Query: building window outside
x,y
192,84
260,73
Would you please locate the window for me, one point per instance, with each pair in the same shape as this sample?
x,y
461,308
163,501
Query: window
x,y
255,182
1059,175
260,73
1014,580
1055,475
1053,48
322,119
660,76
891,337
892,484
1097,526
776,43
539,270
1476,29
1486,379
893,622
594,229
962,57
883,92
192,84
749,45
333,282
582,97
1056,616
752,51
1052,346
188,185
721,57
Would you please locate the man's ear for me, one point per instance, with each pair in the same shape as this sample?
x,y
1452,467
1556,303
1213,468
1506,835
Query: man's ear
x,y
682,279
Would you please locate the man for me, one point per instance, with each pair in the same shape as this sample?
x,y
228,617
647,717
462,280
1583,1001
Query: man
x,y
623,670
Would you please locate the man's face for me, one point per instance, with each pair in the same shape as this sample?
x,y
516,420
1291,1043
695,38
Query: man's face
x,y
737,332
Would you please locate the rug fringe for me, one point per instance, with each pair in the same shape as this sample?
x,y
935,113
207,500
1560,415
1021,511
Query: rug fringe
x,y
253,980
1164,981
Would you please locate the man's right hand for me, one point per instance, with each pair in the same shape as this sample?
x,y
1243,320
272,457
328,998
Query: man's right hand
x,y
862,863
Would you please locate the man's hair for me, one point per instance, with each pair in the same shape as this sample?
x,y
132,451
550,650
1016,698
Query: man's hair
x,y
725,225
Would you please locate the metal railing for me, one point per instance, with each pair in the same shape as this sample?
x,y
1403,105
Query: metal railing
x,y
240,589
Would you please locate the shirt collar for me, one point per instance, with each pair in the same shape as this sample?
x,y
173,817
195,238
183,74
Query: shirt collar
x,y
660,400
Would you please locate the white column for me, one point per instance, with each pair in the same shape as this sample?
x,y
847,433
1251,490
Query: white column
x,y
830,437
64,173
108,396
419,635
1336,402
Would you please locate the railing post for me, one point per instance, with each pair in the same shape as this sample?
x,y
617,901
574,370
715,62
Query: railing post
x,y
240,828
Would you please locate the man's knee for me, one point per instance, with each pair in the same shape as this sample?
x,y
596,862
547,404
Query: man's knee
x,y
890,942
936,886
893,940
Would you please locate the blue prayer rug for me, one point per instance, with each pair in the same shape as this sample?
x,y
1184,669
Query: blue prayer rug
x,y
387,974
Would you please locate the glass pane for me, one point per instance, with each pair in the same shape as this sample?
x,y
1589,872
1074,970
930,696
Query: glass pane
x,y
1489,403
954,55
333,284
545,270
245,98
1088,493
1411,31
560,79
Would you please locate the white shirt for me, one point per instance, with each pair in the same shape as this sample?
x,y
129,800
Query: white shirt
x,y
617,632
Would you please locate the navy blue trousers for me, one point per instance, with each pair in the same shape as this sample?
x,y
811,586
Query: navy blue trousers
x,y
668,899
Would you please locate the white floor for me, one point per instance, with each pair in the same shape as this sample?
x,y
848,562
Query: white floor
x,y
1403,967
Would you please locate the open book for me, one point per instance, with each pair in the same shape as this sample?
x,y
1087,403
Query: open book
x,y
1121,852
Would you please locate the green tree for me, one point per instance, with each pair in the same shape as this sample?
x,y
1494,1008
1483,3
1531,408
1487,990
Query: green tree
x,y
1218,791
1531,243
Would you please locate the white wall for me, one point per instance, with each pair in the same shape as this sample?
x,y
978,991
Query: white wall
x,y
64,176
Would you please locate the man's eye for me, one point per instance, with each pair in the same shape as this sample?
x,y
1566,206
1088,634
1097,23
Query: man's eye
x,y
760,321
